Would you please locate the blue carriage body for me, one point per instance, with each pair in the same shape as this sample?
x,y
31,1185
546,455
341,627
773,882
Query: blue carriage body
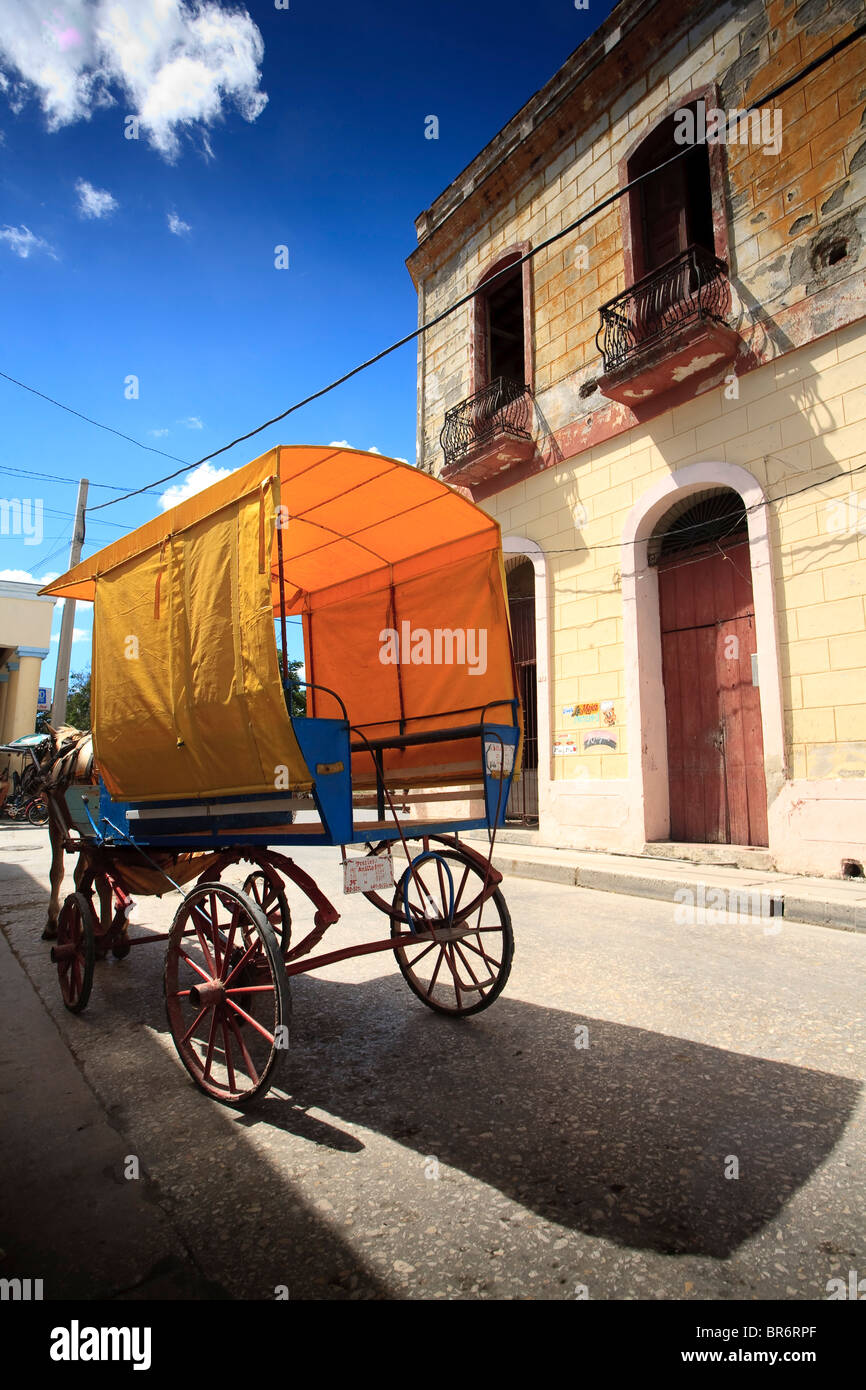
x,y
324,816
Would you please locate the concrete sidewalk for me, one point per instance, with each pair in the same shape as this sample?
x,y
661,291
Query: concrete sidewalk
x,y
826,902
68,1215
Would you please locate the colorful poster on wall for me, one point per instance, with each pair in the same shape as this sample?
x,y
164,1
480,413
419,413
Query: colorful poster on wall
x,y
608,714
586,713
564,748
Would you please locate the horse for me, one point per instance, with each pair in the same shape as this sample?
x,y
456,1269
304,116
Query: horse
x,y
68,762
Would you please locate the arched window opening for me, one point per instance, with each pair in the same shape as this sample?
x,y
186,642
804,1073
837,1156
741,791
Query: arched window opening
x,y
505,327
500,332
673,208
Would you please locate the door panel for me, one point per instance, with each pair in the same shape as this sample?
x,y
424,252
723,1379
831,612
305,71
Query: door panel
x,y
713,709
663,200
695,762
523,798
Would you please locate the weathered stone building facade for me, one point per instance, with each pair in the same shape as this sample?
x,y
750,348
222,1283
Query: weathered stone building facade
x,y
666,411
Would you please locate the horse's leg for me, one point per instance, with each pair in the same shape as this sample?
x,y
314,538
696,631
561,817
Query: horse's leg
x,y
56,836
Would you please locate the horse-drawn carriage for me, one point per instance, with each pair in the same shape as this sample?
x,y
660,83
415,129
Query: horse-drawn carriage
x,y
411,735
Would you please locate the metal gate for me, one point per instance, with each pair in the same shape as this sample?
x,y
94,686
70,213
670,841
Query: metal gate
x,y
523,802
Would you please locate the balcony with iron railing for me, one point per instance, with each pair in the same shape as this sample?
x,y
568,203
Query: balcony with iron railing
x,y
670,327
488,432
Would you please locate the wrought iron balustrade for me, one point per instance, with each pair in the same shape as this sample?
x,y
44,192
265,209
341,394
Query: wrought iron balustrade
x,y
692,286
503,407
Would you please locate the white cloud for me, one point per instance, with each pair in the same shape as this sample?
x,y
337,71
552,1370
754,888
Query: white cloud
x,y
371,448
197,481
79,634
192,422
158,434
23,242
173,64
94,202
177,226
25,577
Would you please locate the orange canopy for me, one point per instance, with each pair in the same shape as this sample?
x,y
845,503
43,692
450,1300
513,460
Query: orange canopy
x,y
397,577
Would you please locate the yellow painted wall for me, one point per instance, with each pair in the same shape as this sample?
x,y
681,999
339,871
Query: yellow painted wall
x,y
777,430
25,622
796,423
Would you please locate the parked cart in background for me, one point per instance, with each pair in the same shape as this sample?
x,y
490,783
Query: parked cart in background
x,y
21,797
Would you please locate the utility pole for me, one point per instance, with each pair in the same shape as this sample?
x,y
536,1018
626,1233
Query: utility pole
x,y
64,650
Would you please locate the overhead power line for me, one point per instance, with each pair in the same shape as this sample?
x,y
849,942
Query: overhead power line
x,y
151,449
467,298
59,477
416,333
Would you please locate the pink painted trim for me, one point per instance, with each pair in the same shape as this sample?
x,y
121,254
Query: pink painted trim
x,y
801,324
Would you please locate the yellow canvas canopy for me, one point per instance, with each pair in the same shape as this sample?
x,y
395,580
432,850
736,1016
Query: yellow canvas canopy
x,y
397,578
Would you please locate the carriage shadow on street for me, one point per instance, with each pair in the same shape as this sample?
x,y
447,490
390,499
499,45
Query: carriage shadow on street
x,y
627,1139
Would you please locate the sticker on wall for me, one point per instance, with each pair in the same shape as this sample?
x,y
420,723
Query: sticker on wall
x,y
567,711
561,750
608,714
599,740
586,713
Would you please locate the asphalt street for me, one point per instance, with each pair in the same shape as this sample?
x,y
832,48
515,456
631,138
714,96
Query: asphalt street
x,y
650,1111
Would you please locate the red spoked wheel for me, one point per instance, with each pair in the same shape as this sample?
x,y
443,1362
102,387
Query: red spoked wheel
x,y
265,887
74,951
467,967
226,994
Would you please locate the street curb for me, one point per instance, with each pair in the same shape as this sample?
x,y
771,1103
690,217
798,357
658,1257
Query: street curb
x,y
842,916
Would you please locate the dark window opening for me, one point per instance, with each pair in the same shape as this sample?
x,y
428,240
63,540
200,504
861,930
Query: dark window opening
x,y
673,208
505,343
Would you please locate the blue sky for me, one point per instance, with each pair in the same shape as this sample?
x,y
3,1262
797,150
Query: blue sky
x,y
154,257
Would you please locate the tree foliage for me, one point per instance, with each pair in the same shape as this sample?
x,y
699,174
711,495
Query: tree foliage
x,y
297,697
78,700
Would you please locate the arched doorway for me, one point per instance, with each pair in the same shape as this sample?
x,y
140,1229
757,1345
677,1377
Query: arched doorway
x,y
522,807
715,750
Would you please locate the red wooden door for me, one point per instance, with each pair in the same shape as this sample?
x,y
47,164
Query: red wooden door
x,y
713,706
